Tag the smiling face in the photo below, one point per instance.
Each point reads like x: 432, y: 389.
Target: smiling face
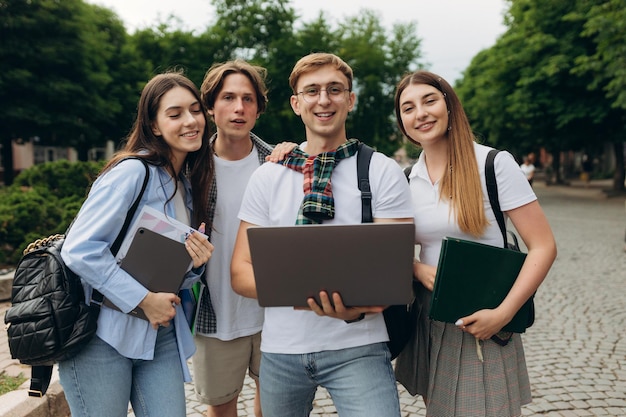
x: 236, y: 109
x: 180, y: 122
x: 424, y: 113
x: 324, y: 116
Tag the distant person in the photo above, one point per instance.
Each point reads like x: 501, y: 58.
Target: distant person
x: 443, y: 363
x: 340, y: 348
x: 228, y: 326
x: 528, y: 169
x: 131, y: 359
x: 587, y: 168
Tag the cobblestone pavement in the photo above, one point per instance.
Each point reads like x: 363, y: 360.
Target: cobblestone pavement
x: 576, y: 351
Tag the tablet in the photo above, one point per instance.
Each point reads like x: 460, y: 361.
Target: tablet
x: 157, y: 262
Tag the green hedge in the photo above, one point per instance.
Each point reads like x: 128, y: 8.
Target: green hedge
x: 42, y: 200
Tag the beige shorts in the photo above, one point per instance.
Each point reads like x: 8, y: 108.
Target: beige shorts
x: 219, y: 367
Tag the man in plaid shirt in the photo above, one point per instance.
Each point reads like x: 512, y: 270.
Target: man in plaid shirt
x: 227, y: 325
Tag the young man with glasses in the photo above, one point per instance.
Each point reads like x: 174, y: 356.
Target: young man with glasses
x: 340, y: 348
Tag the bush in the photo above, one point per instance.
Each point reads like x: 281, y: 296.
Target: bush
x: 61, y: 178
x: 42, y: 201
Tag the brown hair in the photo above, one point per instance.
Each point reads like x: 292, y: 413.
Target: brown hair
x: 317, y: 60
x: 142, y: 142
x: 461, y: 183
x: 215, y: 76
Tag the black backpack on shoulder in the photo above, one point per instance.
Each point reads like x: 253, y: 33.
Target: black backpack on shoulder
x: 400, y: 319
x: 48, y: 320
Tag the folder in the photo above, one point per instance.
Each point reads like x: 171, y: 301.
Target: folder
x: 157, y: 262
x: 472, y: 276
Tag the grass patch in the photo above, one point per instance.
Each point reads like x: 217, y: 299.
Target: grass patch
x: 9, y: 383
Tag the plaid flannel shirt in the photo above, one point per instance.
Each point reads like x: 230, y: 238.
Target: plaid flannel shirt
x: 318, y: 203
x: 206, y: 320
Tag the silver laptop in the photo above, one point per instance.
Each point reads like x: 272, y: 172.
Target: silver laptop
x: 369, y: 264
x: 157, y: 262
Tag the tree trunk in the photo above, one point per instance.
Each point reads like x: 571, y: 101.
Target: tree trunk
x: 7, y: 160
x: 618, y: 177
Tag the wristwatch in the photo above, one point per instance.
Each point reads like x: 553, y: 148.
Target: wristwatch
x: 361, y: 317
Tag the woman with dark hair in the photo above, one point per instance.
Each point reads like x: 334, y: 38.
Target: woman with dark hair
x: 443, y: 362
x: 131, y: 359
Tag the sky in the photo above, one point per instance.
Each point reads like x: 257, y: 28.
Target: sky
x: 452, y: 31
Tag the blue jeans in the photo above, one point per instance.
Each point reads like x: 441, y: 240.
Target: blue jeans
x: 360, y: 381
x: 99, y: 382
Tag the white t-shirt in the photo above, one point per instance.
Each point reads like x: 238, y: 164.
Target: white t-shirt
x: 182, y: 214
x: 237, y: 316
x: 527, y: 169
x: 433, y: 220
x: 273, y: 198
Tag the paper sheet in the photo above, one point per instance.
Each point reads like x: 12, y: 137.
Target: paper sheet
x: 156, y: 221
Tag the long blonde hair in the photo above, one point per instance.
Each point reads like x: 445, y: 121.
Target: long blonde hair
x: 461, y: 183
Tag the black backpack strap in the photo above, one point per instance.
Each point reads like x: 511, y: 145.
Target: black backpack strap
x: 492, y: 191
x: 96, y: 296
x: 131, y: 212
x: 363, y: 159
x: 40, y: 376
x: 407, y: 172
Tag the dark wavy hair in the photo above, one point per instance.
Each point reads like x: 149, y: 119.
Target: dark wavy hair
x: 142, y: 142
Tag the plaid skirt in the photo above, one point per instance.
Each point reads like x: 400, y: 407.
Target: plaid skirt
x: 412, y: 365
x: 447, y: 371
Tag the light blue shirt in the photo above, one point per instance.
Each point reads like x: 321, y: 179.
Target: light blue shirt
x: 86, y: 251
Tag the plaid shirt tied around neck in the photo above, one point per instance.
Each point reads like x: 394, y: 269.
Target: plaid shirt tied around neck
x: 318, y: 203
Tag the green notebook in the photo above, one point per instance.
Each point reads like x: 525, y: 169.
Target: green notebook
x: 472, y: 276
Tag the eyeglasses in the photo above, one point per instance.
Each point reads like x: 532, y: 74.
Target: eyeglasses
x: 334, y: 92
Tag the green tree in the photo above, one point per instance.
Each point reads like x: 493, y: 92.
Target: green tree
x: 378, y: 66
x: 70, y: 74
x: 605, y: 66
x: 110, y: 78
x: 315, y: 36
x: 33, y: 78
x: 262, y: 32
x: 168, y: 46
x: 55, y: 73
x: 525, y: 92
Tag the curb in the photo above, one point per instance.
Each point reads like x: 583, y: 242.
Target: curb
x: 17, y: 403
x: 6, y: 284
